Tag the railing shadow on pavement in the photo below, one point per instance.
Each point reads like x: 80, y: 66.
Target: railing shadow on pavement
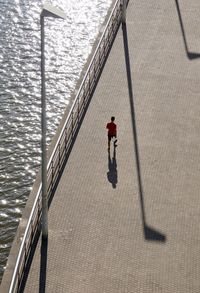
x: 190, y: 55
x: 112, y: 169
x: 149, y: 233
x: 30, y: 259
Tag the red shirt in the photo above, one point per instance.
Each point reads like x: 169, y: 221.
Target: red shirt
x: 112, y: 128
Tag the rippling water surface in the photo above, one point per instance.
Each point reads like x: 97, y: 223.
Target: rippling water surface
x: 68, y: 44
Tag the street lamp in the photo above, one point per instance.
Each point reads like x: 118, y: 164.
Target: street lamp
x: 123, y: 5
x: 47, y: 11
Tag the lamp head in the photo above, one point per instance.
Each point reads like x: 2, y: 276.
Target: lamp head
x: 51, y: 11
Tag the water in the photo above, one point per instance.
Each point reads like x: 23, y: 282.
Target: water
x: 68, y: 45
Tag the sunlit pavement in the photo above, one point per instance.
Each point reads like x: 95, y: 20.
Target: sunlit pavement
x: 129, y: 221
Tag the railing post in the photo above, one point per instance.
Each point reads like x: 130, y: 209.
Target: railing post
x: 104, y: 46
x: 78, y: 110
x: 59, y: 157
x: 95, y: 68
x: 72, y: 114
x: 123, y: 4
x: 99, y: 58
x: 112, y: 26
x: 84, y: 97
x: 89, y: 81
x: 66, y: 137
x: 39, y: 211
x: 52, y: 175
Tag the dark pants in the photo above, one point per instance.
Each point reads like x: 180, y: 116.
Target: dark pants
x: 110, y: 136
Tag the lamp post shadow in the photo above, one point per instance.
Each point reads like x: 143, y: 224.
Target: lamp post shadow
x: 112, y: 169
x: 149, y: 233
x: 43, y: 265
x: 190, y: 55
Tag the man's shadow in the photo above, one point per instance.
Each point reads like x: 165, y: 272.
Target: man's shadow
x: 112, y: 169
x: 150, y: 233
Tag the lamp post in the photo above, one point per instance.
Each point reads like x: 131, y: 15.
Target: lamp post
x: 123, y: 4
x: 47, y: 11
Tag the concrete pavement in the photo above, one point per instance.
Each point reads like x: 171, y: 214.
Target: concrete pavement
x: 129, y: 222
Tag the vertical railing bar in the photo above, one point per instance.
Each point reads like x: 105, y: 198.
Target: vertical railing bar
x: 104, y: 47
x: 52, y: 175
x: 65, y: 141
x: 89, y: 80
x: 32, y: 230
x: 38, y: 205
x: 78, y: 109
x: 95, y: 64
x: 99, y: 57
x: 72, y: 124
x: 59, y: 156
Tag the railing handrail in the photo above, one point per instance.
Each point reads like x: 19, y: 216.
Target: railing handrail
x: 24, y: 238
x: 70, y: 115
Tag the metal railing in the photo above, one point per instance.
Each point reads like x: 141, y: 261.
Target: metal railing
x: 65, y: 139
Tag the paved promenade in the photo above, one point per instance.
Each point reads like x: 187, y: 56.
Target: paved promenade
x: 129, y: 222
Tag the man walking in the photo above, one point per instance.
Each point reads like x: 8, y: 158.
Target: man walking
x: 112, y: 132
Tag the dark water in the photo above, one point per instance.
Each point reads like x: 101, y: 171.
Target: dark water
x: 68, y: 44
